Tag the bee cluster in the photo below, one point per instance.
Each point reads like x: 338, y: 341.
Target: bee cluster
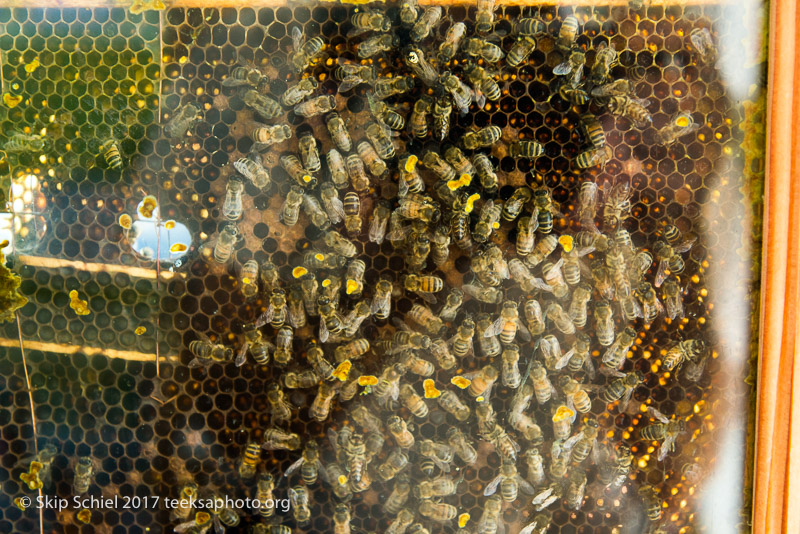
x: 450, y: 282
x: 504, y: 364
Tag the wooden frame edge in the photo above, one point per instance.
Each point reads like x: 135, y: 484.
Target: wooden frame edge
x: 777, y: 441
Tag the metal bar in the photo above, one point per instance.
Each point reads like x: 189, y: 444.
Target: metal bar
x: 58, y: 263
x: 66, y: 350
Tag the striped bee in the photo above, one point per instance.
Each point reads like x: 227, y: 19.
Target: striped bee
x: 113, y: 157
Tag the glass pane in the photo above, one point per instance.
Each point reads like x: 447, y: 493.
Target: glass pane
x: 530, y: 251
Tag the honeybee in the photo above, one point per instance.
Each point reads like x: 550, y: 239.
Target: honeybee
x: 305, y: 379
x: 573, y: 95
x: 490, y: 521
x: 424, y: 286
x: 622, y: 389
x: 205, y: 353
x: 488, y: 221
x: 572, y: 68
x: 397, y: 498
x: 382, y: 299
x: 542, y: 387
x: 300, y: 506
x: 680, y: 125
x: 567, y: 33
x: 525, y: 149
x: 652, y: 502
x: 481, y: 48
x: 380, y: 139
x: 449, y: 402
x: 352, y: 211
x: 703, y: 42
x: 620, y: 87
x: 483, y: 83
x: 520, y: 50
x: 418, y: 122
x: 651, y: 306
x: 264, y: 489
x: 576, y: 396
x: 265, y: 136
x: 304, y: 52
x: 83, y: 475
x: 529, y: 26
x: 253, y: 170
x: 510, y: 482
x: 534, y: 316
x: 309, y: 465
x: 438, y: 511
x: 368, y: 20
x: 578, y: 307
x: 316, y: 106
x: 482, y: 138
x: 617, y: 204
x: 575, y: 489
x: 226, y: 242
x: 232, y: 206
x: 262, y: 104
x: 276, y: 439
x: 243, y: 75
x: 669, y: 259
x: 375, y: 45
x: 604, y: 59
x: 296, y: 93
x: 351, y: 74
x: 615, y: 354
x: 497, y: 436
x: 422, y: 27
x: 458, y: 442
x: 488, y: 342
x: 461, y: 343
x: 280, y: 409
x: 692, y: 350
x: 251, y: 456
x: 394, y: 463
x: 673, y: 299
x: 411, y: 400
x: 112, y: 156
x: 439, y: 166
x: 489, y: 295
x: 341, y: 519
x: 338, y: 132
x: 409, y: 11
x: 630, y: 108
x: 452, y: 40
x: 386, y: 87
x: 422, y: 69
x: 535, y: 464
x: 307, y: 145
x: 176, y: 128
x: 337, y: 169
x: 461, y: 94
x: 560, y: 318
x: 299, y: 174
x: 200, y: 524
x: 442, y: 108
x: 483, y: 381
x: 315, y: 213
x: 440, y: 454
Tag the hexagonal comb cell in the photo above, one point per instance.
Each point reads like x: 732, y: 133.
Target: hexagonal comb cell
x: 272, y: 329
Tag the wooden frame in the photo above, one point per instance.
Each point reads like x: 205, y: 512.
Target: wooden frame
x: 777, y: 442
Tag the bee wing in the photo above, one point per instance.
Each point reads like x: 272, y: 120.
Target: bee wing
x: 487, y: 209
x: 203, y: 337
x: 523, y: 332
x: 293, y: 496
x: 562, y: 69
x: 525, y: 486
x: 669, y: 443
x: 661, y: 273
x: 355, y: 32
x: 542, y: 496
x: 378, y: 305
x: 350, y: 82
x: 626, y: 398
x: 333, y: 437
x: 297, y: 38
x: 541, y: 285
x: 427, y: 297
x: 323, y: 331
x: 652, y: 412
x: 480, y: 98
x: 377, y: 226
x: 567, y: 446
x: 196, y: 363
x: 336, y: 213
x: 441, y: 464
x: 294, y: 467
x: 587, y: 363
x: 183, y: 527
x: 241, y: 357
x: 492, y: 487
x: 495, y: 328
x: 218, y: 528
x: 565, y: 358
x: 685, y: 246
x: 402, y: 325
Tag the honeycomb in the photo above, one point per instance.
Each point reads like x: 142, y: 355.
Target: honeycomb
x: 151, y: 422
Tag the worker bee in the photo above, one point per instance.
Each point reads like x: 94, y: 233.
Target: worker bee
x: 452, y: 304
x: 488, y: 342
x: 515, y: 204
x: 262, y: 104
x: 567, y: 33
x: 669, y: 259
x: 578, y: 307
x: 253, y: 170
x: 449, y: 402
x: 243, y: 75
x: 703, y: 42
x: 488, y: 221
x: 622, y: 388
x: 437, y: 511
x: 673, y: 299
x: 251, y: 456
x: 576, y: 396
x: 442, y: 108
x: 689, y: 350
x: 315, y: 213
x: 386, y: 114
x: 205, y: 352
x: 572, y: 68
x: 619, y: 87
x: 575, y: 489
x: 489, y: 295
x: 338, y: 131
x: 300, y: 505
x: 425, y: 23
x: 83, y: 475
x: 542, y: 387
x: 452, y: 40
x: 315, y: 106
x: 304, y: 52
x: 226, y: 242
x: 510, y: 482
x: 483, y: 84
x: 368, y: 20
x: 525, y: 149
x: 409, y: 12
x: 276, y: 439
x: 320, y: 407
x: 232, y: 205
x: 511, y: 376
x: 651, y: 306
x: 460, y: 164
x: 279, y: 408
x: 490, y: 521
x: 176, y: 128
x: 440, y: 454
x: 397, y: 498
x: 296, y: 93
x: 617, y: 205
x: 604, y: 59
x: 680, y: 125
x: 439, y: 166
x: 520, y: 50
x: 265, y: 136
x: 372, y: 161
x: 375, y: 45
x: 458, y: 442
x: 461, y: 94
x: 307, y: 145
x: 341, y: 519
x: 399, y: 430
x: 535, y: 465
x: 663, y: 430
x: 412, y: 401
x: 351, y: 74
x: 533, y: 316
x: 506, y: 447
x: 309, y: 465
x: 112, y: 156
x: 386, y: 87
x: 295, y: 169
x: 352, y: 211
x: 509, y: 325
x: 461, y: 342
x: 483, y: 381
x: 382, y: 299
x: 394, y: 463
x: 480, y: 48
x: 418, y: 207
x: 338, y: 171
x: 652, y: 502
x: 529, y: 26
x: 630, y: 108
x: 381, y: 140
x: 482, y: 138
x: 418, y: 121
x: 615, y: 354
